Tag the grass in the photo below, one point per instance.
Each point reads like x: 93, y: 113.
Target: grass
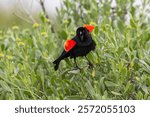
x: 121, y: 63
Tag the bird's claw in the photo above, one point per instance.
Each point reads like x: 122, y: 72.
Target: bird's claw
x: 90, y: 65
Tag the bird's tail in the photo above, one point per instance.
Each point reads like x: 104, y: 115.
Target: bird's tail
x: 56, y: 63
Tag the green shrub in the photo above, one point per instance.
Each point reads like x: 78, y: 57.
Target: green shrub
x: 121, y: 59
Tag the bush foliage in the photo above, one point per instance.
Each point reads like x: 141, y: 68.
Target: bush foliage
x: 121, y: 59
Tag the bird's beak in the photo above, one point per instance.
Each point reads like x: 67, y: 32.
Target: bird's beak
x: 82, y: 38
x: 90, y: 28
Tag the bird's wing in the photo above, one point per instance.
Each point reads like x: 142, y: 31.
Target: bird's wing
x: 69, y: 44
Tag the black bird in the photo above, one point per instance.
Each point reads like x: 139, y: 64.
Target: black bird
x: 80, y: 45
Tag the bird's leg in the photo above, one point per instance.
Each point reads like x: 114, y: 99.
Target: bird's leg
x: 90, y: 64
x: 76, y: 65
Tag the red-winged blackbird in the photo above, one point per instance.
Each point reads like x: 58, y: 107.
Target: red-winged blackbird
x: 80, y: 45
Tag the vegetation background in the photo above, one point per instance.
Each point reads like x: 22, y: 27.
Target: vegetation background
x: 121, y: 59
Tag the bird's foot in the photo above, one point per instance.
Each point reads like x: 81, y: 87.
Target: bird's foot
x: 90, y: 65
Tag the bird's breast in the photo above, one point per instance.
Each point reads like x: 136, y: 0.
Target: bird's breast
x: 82, y: 50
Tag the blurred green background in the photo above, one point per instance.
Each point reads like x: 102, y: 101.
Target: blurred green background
x: 19, y: 12
x: 31, y: 38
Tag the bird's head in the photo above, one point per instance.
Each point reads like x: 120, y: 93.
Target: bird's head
x: 84, y: 32
x: 81, y: 33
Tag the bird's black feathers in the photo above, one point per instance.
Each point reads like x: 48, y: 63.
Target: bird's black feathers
x: 84, y: 44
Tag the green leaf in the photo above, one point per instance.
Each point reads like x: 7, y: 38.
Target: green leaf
x: 90, y: 89
x: 63, y: 34
x: 42, y: 17
x: 74, y: 97
x: 2, y: 47
x: 75, y: 71
x: 145, y: 66
x: 116, y: 93
x: 133, y: 24
x: 144, y: 88
x: 110, y: 84
x: 96, y: 30
x: 5, y: 86
x: 139, y: 95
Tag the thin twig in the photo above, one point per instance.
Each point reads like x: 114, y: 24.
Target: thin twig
x: 46, y: 15
x: 25, y: 20
x: 43, y: 8
x: 28, y: 14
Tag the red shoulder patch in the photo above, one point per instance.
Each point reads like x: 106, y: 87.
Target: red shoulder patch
x: 90, y: 28
x: 69, y: 44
